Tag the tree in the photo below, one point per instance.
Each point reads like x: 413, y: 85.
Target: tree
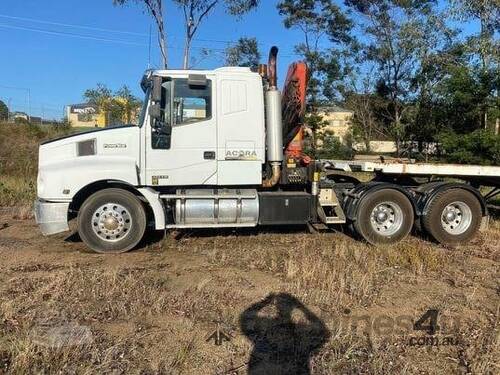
x: 320, y: 21
x: 401, y: 35
x: 365, y: 104
x: 4, y: 111
x: 487, y: 13
x: 156, y: 10
x: 244, y: 53
x: 102, y: 98
x: 484, y: 46
x: 127, y: 103
x: 478, y: 147
x: 196, y: 11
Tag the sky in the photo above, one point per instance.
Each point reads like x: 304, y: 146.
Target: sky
x: 53, y: 50
x: 57, y: 62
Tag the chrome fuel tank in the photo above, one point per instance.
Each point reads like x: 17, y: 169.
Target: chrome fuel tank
x: 217, y: 207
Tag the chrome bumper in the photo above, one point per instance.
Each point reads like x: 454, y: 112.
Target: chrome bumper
x: 51, y: 217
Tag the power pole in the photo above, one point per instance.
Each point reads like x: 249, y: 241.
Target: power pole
x: 8, y: 109
x: 29, y: 105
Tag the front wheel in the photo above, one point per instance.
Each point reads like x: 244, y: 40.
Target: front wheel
x: 112, y: 221
x: 383, y: 217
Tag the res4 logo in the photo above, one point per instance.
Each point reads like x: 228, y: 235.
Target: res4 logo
x: 428, y: 322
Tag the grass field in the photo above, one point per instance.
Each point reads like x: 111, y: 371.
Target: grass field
x: 288, y: 301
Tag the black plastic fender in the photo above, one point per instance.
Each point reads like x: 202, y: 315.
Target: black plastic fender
x: 427, y: 192
x: 356, y: 195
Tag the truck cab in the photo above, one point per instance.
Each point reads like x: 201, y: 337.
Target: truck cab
x: 208, y: 129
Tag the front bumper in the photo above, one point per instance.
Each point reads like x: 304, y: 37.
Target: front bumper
x: 51, y: 217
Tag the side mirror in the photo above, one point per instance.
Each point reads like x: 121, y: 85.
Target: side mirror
x: 155, y: 111
x: 156, y: 90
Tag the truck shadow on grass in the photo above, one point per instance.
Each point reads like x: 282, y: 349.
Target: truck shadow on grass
x: 240, y: 232
x: 284, y: 340
x: 155, y: 237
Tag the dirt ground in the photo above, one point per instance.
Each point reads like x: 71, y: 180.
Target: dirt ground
x: 277, y: 301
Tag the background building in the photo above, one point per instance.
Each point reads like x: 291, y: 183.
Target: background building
x: 84, y: 115
x: 339, y: 122
x: 119, y: 111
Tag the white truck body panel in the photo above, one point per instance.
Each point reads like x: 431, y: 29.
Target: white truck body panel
x: 183, y: 163
x: 62, y: 173
x: 241, y: 129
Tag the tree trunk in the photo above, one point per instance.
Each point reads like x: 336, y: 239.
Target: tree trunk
x: 163, y: 49
x: 187, y: 50
x: 367, y: 145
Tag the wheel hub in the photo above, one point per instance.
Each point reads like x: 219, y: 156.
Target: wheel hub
x: 111, y: 222
x: 382, y: 217
x: 456, y: 218
x: 450, y: 216
x: 386, y: 218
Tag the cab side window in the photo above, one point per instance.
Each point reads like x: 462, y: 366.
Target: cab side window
x: 162, y: 126
x: 181, y: 104
x: 191, y: 103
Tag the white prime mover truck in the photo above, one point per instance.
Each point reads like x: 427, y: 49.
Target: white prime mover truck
x: 217, y: 149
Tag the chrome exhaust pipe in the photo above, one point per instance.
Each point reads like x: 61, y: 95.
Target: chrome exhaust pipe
x: 274, y: 121
x: 272, y: 68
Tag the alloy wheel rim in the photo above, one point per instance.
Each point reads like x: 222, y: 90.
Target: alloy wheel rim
x: 111, y: 222
x: 386, y: 218
x: 456, y: 218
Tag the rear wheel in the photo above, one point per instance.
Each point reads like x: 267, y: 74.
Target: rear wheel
x: 384, y: 217
x: 112, y: 221
x: 453, y: 217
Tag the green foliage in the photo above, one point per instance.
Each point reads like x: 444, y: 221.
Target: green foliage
x: 323, y: 144
x: 196, y: 11
x: 316, y: 17
x: 321, y: 22
x: 332, y: 148
x: 402, y: 39
x: 126, y: 104
x: 118, y: 107
x: 4, y: 111
x: 233, y: 7
x: 21, y: 121
x: 244, y: 53
x: 478, y: 147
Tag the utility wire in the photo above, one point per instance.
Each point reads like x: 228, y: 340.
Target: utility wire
x: 74, y: 35
x: 72, y: 25
x: 94, y: 28
x: 105, y: 29
x: 100, y: 39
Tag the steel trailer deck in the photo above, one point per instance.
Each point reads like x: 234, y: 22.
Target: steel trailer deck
x: 481, y: 175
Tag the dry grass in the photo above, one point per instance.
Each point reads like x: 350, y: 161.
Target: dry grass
x: 151, y: 311
x: 19, y: 161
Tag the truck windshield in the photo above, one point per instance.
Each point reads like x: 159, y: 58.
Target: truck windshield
x: 144, y: 108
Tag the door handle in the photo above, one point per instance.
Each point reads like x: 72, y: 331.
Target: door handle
x: 209, y: 155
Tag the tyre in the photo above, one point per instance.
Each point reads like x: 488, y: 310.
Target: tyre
x: 453, y: 217
x: 111, y: 221
x: 384, y: 217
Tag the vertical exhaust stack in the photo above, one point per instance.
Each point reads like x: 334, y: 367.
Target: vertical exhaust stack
x: 274, y: 122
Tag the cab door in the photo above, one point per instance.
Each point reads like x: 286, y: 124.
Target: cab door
x: 181, y: 145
